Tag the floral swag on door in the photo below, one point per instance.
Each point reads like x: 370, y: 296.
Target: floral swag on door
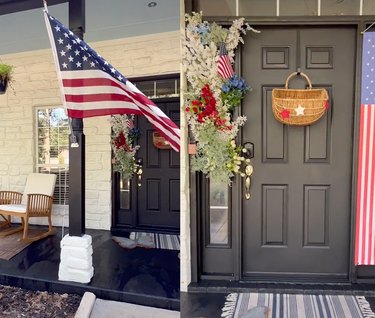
x: 124, y: 135
x: 213, y: 92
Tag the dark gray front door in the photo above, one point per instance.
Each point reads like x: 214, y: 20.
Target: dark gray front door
x: 153, y: 201
x: 159, y: 193
x: 297, y: 222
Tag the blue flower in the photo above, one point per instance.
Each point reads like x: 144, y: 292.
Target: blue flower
x: 226, y: 88
x: 134, y: 133
x: 202, y: 29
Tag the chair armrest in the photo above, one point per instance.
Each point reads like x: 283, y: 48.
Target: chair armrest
x: 39, y: 204
x: 10, y: 197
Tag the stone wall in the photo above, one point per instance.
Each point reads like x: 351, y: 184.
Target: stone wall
x: 35, y: 85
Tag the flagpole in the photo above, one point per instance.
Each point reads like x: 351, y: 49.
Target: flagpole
x: 45, y: 5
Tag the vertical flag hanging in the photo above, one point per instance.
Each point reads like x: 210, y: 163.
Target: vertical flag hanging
x: 224, y: 66
x: 365, y: 214
x: 91, y: 86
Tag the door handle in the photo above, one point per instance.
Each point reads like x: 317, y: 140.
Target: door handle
x: 248, y: 172
x: 139, y: 172
x: 248, y: 153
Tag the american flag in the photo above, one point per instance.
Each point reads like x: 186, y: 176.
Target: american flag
x: 93, y: 87
x: 224, y: 66
x: 365, y: 214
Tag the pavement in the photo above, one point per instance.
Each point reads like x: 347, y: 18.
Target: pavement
x: 92, y: 307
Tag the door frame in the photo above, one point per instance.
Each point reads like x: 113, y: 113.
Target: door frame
x: 117, y: 229
x: 355, y: 274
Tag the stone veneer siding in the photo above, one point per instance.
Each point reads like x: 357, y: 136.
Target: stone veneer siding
x: 35, y: 85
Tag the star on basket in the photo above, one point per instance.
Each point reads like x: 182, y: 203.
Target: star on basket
x: 300, y: 111
x: 326, y: 105
x: 285, y: 113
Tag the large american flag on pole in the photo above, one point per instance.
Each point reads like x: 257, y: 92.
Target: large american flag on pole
x: 93, y: 87
x: 365, y: 214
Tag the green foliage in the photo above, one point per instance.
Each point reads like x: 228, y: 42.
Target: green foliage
x: 5, y: 72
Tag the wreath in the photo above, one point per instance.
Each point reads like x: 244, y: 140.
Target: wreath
x: 213, y: 92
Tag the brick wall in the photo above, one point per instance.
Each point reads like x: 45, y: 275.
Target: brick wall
x: 35, y: 85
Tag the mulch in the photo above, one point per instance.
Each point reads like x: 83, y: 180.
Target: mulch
x: 21, y: 303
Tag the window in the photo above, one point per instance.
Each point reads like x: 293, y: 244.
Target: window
x: 53, y: 148
x: 159, y: 88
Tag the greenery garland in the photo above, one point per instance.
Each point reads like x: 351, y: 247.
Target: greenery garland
x: 210, y: 99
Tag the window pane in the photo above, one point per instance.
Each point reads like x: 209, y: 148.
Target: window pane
x: 53, y: 149
x: 298, y: 7
x: 124, y: 193
x: 165, y: 88
x: 219, y: 213
x: 147, y: 88
x: 217, y: 7
x: 368, y: 7
x: 340, y: 7
x: 257, y: 7
x: 61, y: 192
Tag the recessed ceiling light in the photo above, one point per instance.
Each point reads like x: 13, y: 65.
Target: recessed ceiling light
x: 152, y: 4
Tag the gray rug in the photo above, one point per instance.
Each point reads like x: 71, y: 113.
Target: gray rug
x: 163, y: 241
x: 267, y: 305
x: 149, y: 240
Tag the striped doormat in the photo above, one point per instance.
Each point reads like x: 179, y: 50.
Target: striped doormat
x: 162, y: 241
x: 267, y: 305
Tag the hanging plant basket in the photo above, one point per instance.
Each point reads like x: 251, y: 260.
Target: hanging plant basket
x: 6, y: 72
x: 3, y: 86
x: 299, y: 107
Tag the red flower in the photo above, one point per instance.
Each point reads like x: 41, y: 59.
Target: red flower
x: 327, y: 105
x: 187, y: 109
x: 200, y: 118
x: 120, y: 142
x: 220, y: 122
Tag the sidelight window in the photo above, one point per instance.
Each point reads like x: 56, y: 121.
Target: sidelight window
x: 219, y: 213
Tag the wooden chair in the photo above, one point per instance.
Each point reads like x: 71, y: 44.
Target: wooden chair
x: 36, y: 202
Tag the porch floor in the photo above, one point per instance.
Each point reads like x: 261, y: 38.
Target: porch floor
x: 149, y: 277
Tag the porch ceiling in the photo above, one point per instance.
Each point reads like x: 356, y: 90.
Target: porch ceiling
x: 11, y: 6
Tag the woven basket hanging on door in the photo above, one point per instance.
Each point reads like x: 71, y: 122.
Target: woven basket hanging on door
x: 299, y: 107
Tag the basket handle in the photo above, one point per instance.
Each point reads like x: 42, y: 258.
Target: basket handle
x: 295, y: 74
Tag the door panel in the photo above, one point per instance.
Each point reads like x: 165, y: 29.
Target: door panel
x: 297, y: 221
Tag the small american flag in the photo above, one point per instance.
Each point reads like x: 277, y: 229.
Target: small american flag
x: 365, y: 214
x: 93, y: 87
x: 224, y: 66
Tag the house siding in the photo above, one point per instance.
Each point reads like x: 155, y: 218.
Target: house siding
x: 36, y: 85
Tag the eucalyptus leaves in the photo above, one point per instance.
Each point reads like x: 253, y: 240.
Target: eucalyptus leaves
x: 210, y: 99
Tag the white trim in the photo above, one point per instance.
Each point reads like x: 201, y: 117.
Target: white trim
x: 319, y: 7
x: 237, y: 8
x: 277, y: 8
x: 361, y: 7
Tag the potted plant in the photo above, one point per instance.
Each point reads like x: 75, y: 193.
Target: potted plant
x: 6, y: 71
